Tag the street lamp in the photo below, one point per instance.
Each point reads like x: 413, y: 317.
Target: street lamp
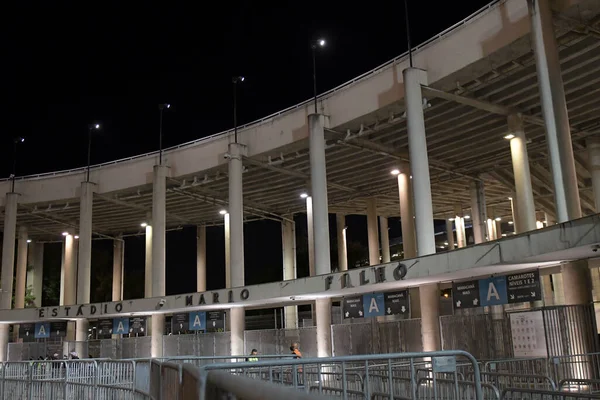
x: 235, y: 81
x: 315, y: 44
x: 16, y: 142
x: 92, y: 127
x: 161, y: 107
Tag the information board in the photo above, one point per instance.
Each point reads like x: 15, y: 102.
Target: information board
x: 397, y: 303
x: 524, y: 287
x: 353, y: 307
x: 528, y: 334
x: 465, y: 294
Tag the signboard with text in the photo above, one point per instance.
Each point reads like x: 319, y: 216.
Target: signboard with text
x: 197, y: 321
x: 120, y: 326
x: 215, y: 321
x: 465, y: 294
x: 373, y: 305
x: 58, y: 329
x: 137, y: 326
x: 524, y: 287
x: 353, y: 307
x: 528, y: 334
x: 179, y: 323
x: 397, y: 303
x: 104, y: 328
x: 492, y: 291
x: 42, y: 330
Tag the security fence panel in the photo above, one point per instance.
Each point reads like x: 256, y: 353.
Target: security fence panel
x: 268, y: 341
x: 135, y: 347
x: 570, y: 330
x: 400, y: 336
x: 222, y: 343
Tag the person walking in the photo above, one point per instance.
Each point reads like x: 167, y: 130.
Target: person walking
x: 253, y: 355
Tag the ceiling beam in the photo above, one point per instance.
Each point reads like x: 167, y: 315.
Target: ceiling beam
x: 138, y: 207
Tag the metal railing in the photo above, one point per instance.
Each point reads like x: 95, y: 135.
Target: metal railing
x: 532, y: 394
x: 326, y: 94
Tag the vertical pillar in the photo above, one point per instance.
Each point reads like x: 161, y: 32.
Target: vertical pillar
x: 512, y: 200
x: 419, y: 161
x: 288, y: 233
x: 81, y: 336
x: 577, y: 282
x: 372, y: 233
x: 4, y: 331
x: 554, y: 110
x: 407, y: 219
x: 450, y: 233
x: 36, y: 274
x: 20, y: 280
x: 236, y: 214
x: 148, y: 274
x: 156, y: 339
x: 70, y: 274
x: 238, y: 324
x: 549, y: 219
x: 318, y: 180
x: 84, y: 269
x: 201, y: 258
x: 118, y: 264
x: 459, y: 222
x: 227, y: 228
x: 62, y: 275
x: 559, y: 292
x: 159, y: 201
x: 311, y: 236
x: 341, y: 242
x: 520, y: 162
x: 429, y: 296
x: 478, y: 211
x: 323, y: 311
x: 593, y: 148
x: 8, y: 256
x: 385, y: 239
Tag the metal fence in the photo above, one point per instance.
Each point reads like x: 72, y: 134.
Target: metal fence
x: 207, y: 344
x: 277, y: 341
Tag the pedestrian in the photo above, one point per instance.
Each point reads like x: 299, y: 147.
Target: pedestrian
x: 74, y: 355
x: 295, y: 351
x: 253, y: 355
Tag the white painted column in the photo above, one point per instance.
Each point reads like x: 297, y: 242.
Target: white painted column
x: 21, y: 275
x: 459, y: 223
x: 320, y: 207
x: 419, y: 160
x: 520, y: 162
x: 118, y: 267
x: 478, y: 211
x: 311, y: 236
x: 577, y: 285
x: 554, y: 110
x: 372, y: 233
x: 201, y: 258
x: 323, y: 311
x: 62, y: 275
x: 4, y: 333
x: 35, y: 277
x: 156, y: 339
x: 148, y: 274
x: 8, y: 258
x: 70, y: 278
x: 512, y: 200
x: 81, y: 336
x: 450, y: 233
x: 342, y: 243
x: 429, y: 296
x: 288, y: 235
x: 159, y: 222
x: 593, y: 148
x: 84, y: 268
x: 227, y: 228
x: 407, y: 220
x: 238, y: 324
x: 385, y: 239
x: 236, y: 214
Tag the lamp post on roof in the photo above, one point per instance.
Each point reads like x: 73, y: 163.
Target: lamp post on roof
x: 235, y: 80
x: 316, y: 44
x: 161, y: 107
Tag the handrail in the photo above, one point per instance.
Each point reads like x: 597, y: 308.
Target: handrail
x: 257, y: 122
x: 543, y: 393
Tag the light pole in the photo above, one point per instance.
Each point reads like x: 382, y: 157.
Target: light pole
x: 235, y: 81
x: 315, y: 44
x: 92, y: 127
x: 161, y: 107
x: 16, y: 142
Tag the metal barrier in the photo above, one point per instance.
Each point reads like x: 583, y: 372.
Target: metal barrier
x: 430, y: 388
x: 591, y: 386
x: 532, y: 394
x: 505, y: 381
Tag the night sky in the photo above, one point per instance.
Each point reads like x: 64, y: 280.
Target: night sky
x: 67, y: 64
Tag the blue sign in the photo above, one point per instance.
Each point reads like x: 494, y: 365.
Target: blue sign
x: 42, y: 330
x: 374, y: 305
x: 197, y: 321
x: 120, y: 326
x: 492, y: 291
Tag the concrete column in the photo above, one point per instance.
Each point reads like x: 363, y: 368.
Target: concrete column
x: 559, y: 292
x: 148, y: 276
x: 159, y: 223
x: 577, y: 284
x: 236, y: 214
x: 513, y: 210
x: 35, y: 276
x: 385, y: 239
x: 70, y: 279
x: 21, y: 278
x: 372, y: 232
x: 407, y: 220
x: 429, y: 296
x: 158, y: 330
x: 593, y: 148
x: 311, y: 236
x: 459, y: 223
x: 419, y: 161
x: 4, y: 331
x: 450, y: 233
x: 227, y: 228
x: 8, y: 258
x: 118, y: 266
x: 288, y: 233
x: 237, y: 327
x: 318, y: 181
x: 520, y: 162
x: 478, y: 211
x: 201, y: 258
x: 81, y: 336
x: 342, y: 243
x: 549, y: 219
x: 323, y: 311
x: 84, y: 269
x: 62, y: 275
x: 554, y: 110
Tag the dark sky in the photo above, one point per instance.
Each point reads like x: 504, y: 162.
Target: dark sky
x: 67, y: 64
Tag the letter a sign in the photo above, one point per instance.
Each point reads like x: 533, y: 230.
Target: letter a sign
x: 197, y: 321
x: 492, y: 291
x: 373, y: 305
x: 120, y: 326
x: 42, y: 330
